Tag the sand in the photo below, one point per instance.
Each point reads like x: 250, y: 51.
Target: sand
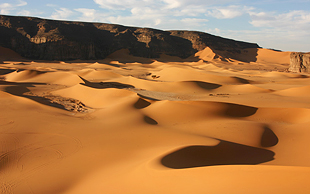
x: 206, y: 124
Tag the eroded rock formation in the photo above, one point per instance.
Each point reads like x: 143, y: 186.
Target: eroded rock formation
x: 300, y: 62
x: 37, y: 38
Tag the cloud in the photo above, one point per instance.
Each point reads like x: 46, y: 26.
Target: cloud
x: 192, y: 10
x: 62, y: 14
x: 163, y: 14
x: 270, y: 38
x: 229, y: 12
x: 121, y: 4
x: 194, y: 21
x: 157, y: 4
x: 6, y: 8
x: 21, y: 3
x: 287, y: 28
x: 286, y: 31
x: 24, y: 13
x: 171, y: 4
x: 87, y: 14
x: 91, y: 15
x: 297, y: 19
x: 51, y: 5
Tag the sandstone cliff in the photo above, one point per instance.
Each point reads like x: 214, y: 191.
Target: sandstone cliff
x: 300, y: 62
x: 36, y: 38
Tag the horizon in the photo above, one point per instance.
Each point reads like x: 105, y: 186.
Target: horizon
x: 271, y: 24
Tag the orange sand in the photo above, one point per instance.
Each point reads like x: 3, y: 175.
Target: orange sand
x: 207, y: 124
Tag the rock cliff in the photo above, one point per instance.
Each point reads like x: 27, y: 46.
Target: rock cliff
x: 300, y: 62
x: 36, y: 38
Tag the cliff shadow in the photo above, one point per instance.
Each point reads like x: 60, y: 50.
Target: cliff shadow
x: 225, y: 153
x: 246, y: 55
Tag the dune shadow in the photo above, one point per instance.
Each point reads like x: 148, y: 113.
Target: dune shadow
x: 241, y: 80
x: 149, y: 120
x: 24, y: 84
x: 206, y: 85
x: 6, y: 71
x: 269, y: 138
x: 141, y: 103
x: 238, y: 110
x: 21, y: 90
x: 114, y: 65
x: 104, y: 85
x: 20, y: 63
x: 147, y: 97
x: 225, y: 153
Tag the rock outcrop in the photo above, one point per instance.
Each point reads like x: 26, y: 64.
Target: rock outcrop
x: 300, y: 62
x: 36, y: 38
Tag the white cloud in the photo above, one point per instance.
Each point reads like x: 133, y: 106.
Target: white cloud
x: 21, y: 3
x: 6, y: 8
x: 51, y: 5
x: 120, y: 4
x: 275, y: 38
x: 297, y: 20
x: 91, y: 15
x: 287, y: 31
x: 194, y: 21
x: 24, y: 13
x: 62, y: 14
x: 157, y: 22
x: 171, y: 4
x: 288, y: 28
x: 157, y: 4
x: 192, y: 10
x: 87, y: 14
x: 164, y: 14
x: 229, y: 12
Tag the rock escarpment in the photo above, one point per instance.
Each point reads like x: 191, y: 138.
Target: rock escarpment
x: 300, y: 62
x: 36, y: 38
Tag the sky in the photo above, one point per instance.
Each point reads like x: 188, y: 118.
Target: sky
x: 276, y: 24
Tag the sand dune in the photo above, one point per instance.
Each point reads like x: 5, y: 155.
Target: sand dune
x: 268, y: 56
x: 207, y: 54
x: 207, y: 124
x: 9, y: 55
x: 296, y: 91
x: 63, y: 78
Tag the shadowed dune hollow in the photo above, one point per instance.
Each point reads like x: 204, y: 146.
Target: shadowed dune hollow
x: 225, y: 153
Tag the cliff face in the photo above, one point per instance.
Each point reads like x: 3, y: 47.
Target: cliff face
x: 36, y: 38
x: 300, y: 62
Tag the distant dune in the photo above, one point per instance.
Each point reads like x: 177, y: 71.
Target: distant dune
x: 209, y: 120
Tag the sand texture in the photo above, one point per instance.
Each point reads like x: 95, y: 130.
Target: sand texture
x: 210, y: 123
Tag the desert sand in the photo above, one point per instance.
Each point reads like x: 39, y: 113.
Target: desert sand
x: 130, y: 125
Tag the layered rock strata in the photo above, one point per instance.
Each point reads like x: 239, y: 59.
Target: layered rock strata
x: 300, y: 62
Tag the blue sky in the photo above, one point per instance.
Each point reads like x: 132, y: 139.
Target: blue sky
x: 277, y: 24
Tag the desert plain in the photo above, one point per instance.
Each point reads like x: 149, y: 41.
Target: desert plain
x: 131, y: 125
